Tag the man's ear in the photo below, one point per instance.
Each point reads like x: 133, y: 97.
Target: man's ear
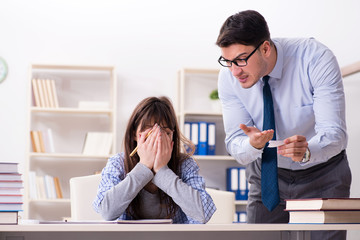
x: 266, y: 48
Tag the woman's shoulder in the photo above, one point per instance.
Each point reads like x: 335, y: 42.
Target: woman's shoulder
x: 188, y: 162
x: 115, y: 166
x: 117, y: 160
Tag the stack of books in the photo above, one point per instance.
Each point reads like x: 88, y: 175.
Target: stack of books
x: 11, y: 185
x: 324, y: 210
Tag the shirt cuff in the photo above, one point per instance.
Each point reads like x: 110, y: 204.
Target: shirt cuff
x: 244, y: 152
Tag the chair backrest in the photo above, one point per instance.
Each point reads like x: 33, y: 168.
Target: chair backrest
x: 82, y: 193
x: 225, y: 204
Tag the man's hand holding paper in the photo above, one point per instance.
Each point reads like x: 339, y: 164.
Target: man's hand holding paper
x: 294, y: 147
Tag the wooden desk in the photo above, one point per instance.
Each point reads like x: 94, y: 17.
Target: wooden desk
x: 165, y: 231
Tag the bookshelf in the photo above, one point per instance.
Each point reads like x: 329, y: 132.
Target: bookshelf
x: 86, y: 102
x: 193, y: 104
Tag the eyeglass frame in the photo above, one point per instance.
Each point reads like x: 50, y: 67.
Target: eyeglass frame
x: 242, y: 59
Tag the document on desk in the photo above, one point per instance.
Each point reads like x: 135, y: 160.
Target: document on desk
x: 141, y: 221
x: 275, y: 143
x: 146, y: 221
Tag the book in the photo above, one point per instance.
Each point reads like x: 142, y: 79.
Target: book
x: 323, y: 204
x: 10, y: 176
x: 49, y: 187
x: 97, y: 143
x: 187, y: 134
x: 8, y: 167
x: 318, y: 216
x: 10, y: 184
x: 146, y: 221
x: 211, y: 139
x: 48, y: 141
x: 32, y: 185
x: 10, y: 190
x: 203, y: 138
x: 240, y: 217
x: 41, y: 92
x: 195, y: 136
x: 58, y: 188
x: 140, y: 221
x: 236, y: 182
x: 35, y: 141
x: 49, y: 93
x: 54, y: 93
x: 40, y: 187
x: 10, y: 207
x: 36, y: 93
x: 41, y: 141
x: 8, y: 217
x: 13, y: 198
x: 45, y: 92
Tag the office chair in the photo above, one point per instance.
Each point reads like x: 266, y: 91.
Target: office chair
x: 82, y: 193
x: 225, y: 204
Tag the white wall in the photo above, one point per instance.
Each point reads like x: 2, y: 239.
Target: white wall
x: 148, y: 41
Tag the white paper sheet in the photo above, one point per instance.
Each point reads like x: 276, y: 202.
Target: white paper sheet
x: 275, y: 143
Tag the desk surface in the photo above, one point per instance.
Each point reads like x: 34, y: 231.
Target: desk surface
x: 173, y: 227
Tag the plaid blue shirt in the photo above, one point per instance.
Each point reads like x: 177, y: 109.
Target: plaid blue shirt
x: 114, y: 173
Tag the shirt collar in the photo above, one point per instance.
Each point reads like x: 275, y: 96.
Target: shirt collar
x: 277, y: 70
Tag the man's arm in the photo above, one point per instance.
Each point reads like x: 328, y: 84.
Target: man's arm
x: 234, y: 114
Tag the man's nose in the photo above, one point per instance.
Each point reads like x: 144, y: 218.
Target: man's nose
x: 235, y: 70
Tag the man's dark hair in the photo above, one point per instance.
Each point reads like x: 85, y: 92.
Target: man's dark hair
x: 246, y: 28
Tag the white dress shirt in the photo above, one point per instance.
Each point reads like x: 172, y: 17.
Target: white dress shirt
x: 308, y: 98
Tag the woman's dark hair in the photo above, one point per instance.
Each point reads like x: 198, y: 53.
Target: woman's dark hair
x: 149, y: 111
x: 246, y: 28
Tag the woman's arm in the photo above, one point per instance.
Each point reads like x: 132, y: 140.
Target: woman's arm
x: 116, y: 191
x: 188, y: 192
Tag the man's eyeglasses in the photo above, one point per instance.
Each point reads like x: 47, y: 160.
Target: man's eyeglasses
x: 240, y: 62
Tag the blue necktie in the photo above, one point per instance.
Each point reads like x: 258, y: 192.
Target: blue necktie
x: 269, y: 176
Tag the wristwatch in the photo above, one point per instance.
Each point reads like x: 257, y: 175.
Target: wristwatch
x: 306, y: 157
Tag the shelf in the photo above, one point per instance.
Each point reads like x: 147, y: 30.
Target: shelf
x: 207, y: 114
x: 240, y: 202
x: 199, y: 71
x: 71, y: 110
x: 66, y: 102
x: 214, y: 157
x: 49, y: 201
x: 72, y: 67
x: 67, y: 155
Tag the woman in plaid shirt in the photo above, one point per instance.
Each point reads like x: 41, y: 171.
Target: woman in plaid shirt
x: 159, y: 181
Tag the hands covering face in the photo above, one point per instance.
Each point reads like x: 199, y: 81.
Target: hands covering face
x: 155, y: 150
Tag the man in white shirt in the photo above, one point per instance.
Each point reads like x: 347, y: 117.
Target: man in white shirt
x: 308, y: 112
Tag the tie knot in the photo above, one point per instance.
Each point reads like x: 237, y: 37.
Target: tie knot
x: 266, y: 79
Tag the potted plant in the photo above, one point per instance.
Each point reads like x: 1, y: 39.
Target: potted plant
x: 214, y: 97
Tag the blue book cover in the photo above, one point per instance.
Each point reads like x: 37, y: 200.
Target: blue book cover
x: 243, y: 193
x: 211, y: 139
x: 187, y: 134
x: 236, y: 182
x: 195, y: 136
x: 203, y: 138
x: 232, y: 179
x: 241, y: 216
